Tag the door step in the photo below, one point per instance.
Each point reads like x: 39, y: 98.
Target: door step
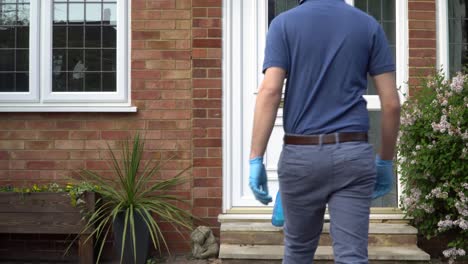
x: 324, y: 254
x: 257, y: 242
x: 256, y: 233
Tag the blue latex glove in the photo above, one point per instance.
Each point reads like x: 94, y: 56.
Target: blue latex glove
x: 384, y: 181
x: 258, y: 180
x: 277, y: 219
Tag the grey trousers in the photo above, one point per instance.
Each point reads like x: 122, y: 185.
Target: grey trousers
x: 311, y: 176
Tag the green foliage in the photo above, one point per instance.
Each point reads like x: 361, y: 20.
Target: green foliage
x: 432, y: 161
x: 75, y: 191
x: 133, y: 191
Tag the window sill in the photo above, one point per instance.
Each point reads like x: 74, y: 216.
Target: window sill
x: 69, y: 109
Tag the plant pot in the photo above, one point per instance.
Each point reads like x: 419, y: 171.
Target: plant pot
x: 141, y: 237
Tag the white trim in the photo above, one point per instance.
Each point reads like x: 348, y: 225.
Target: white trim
x: 402, y: 62
x: 41, y: 70
x: 67, y: 108
x: 442, y: 36
x: 242, y: 51
x: 34, y: 70
x: 227, y: 105
x: 48, y: 96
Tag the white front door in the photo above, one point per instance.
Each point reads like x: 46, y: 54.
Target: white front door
x: 245, y: 26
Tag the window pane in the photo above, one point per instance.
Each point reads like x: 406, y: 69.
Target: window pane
x: 458, y: 35
x: 384, y: 12
x: 275, y: 7
x: 85, y: 41
x: 14, y: 46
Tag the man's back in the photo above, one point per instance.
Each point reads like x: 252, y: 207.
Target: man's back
x: 327, y: 48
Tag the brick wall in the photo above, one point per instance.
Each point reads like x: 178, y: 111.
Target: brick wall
x: 207, y: 116
x: 422, y: 39
x: 46, y: 147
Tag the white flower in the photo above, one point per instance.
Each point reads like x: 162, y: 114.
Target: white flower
x: 457, y: 83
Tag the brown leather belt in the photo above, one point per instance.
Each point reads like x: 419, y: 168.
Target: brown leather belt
x: 326, y: 138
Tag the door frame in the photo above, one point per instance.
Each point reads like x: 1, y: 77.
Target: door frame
x: 242, y: 14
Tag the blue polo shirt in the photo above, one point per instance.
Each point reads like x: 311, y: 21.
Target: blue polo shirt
x: 327, y: 48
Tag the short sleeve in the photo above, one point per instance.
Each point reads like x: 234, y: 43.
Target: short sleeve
x: 381, y: 57
x: 276, y: 51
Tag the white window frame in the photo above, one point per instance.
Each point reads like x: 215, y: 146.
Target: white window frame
x: 41, y: 98
x: 442, y: 37
x: 34, y: 36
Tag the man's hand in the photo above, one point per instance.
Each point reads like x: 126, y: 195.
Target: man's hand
x: 258, y: 180
x: 384, y: 181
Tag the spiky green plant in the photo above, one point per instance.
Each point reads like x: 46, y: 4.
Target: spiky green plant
x: 133, y: 192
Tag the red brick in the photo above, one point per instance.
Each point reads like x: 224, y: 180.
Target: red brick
x: 200, y: 113
x: 207, y: 3
x: 207, y: 182
x: 4, y: 155
x: 215, y: 12
x: 98, y: 125
x: 199, y: 12
x: 212, y: 103
x: 69, y: 144
x: 176, y: 34
x: 215, y: 132
x: 207, y: 142
x: 69, y: 124
x: 40, y: 124
x: 207, y: 202
x: 115, y: 135
x: 207, y: 122
x: 84, y: 155
x: 207, y: 63
x: 18, y: 134
x: 422, y: 34
x: 175, y: 14
x: 422, y: 24
x: 422, y: 43
x: 11, y: 144
x: 422, y: 62
x: 39, y: 155
x: 160, y: 4
x: 97, y: 165
x: 145, y: 35
x: 418, y: 15
x: 428, y: 6
x: 160, y: 24
x: 40, y: 165
x: 207, y: 83
x: 207, y: 162
x: 199, y: 132
x: 11, y: 124
x: 39, y: 145
x: 199, y: 73
x: 84, y: 134
x: 207, y: 43
x: 207, y: 23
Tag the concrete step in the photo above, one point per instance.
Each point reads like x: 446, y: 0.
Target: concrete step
x: 263, y: 233
x: 233, y: 254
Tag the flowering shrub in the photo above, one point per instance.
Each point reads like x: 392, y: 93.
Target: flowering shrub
x: 432, y: 160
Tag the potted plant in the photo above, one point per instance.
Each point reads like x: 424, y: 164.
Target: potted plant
x: 433, y: 153
x: 129, y: 202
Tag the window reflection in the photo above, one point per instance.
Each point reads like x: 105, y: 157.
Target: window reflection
x: 458, y: 35
x: 14, y: 45
x: 84, y: 42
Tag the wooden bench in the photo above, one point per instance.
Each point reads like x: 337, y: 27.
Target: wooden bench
x: 47, y: 213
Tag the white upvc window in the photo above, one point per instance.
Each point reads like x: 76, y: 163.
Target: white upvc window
x: 64, y: 56
x: 452, y: 35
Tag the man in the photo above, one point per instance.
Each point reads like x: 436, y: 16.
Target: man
x: 325, y: 48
